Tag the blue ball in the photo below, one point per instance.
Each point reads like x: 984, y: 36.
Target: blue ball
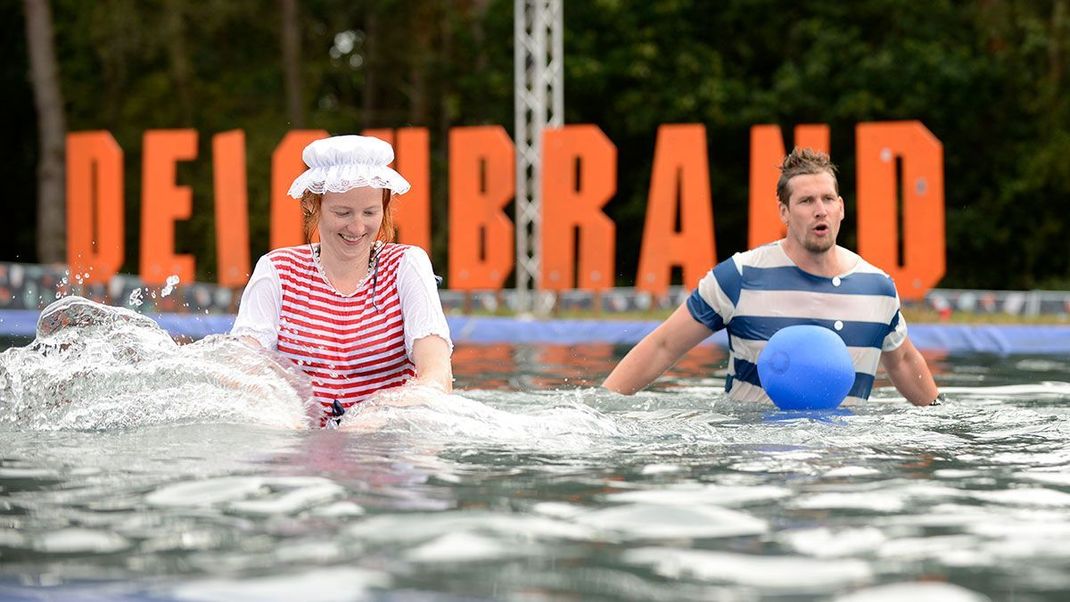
x: 806, y: 367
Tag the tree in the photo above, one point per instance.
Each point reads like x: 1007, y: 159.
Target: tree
x: 988, y: 78
x: 52, y: 129
x: 291, y: 62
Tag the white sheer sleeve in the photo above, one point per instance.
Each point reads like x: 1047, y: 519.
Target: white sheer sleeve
x: 421, y: 308
x: 261, y: 301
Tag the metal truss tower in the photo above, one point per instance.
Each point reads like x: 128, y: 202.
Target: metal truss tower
x: 539, y: 102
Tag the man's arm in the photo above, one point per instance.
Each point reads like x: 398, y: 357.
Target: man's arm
x: 656, y: 352
x: 910, y: 374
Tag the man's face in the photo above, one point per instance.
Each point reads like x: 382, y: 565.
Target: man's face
x: 813, y: 213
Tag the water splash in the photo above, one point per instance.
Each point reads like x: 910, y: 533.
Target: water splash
x: 555, y: 420
x: 427, y: 411
x: 136, y: 299
x: 169, y: 286
x: 92, y: 366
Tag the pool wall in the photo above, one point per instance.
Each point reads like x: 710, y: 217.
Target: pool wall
x: 949, y: 338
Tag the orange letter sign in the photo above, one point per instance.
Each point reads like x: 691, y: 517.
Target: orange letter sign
x: 572, y: 201
x: 679, y: 190
x: 882, y: 148
x: 94, y: 229
x: 287, y: 223
x: 766, y: 155
x: 412, y: 212
x: 231, y: 208
x: 482, y: 182
x: 163, y: 203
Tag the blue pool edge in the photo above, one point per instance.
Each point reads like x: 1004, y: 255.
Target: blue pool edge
x: 1000, y: 339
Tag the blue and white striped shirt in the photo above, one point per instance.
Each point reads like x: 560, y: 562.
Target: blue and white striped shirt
x: 756, y: 293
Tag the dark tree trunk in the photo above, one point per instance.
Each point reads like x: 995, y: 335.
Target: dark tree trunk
x: 291, y: 62
x: 1057, y: 52
x: 52, y: 129
x: 181, y: 68
x: 421, y: 53
x: 371, y: 65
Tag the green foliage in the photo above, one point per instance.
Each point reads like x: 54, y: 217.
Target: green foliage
x: 989, y: 80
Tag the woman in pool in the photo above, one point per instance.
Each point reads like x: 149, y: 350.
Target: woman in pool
x: 358, y: 313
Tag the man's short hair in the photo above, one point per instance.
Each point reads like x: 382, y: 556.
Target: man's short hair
x: 802, y: 162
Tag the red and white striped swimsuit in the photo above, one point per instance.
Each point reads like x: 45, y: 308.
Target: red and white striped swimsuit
x: 350, y: 346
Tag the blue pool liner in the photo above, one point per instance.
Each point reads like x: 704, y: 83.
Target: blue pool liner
x: 950, y: 338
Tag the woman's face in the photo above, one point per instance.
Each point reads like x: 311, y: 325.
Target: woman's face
x: 349, y: 222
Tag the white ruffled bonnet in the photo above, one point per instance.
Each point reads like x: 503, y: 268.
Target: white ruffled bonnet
x: 341, y: 163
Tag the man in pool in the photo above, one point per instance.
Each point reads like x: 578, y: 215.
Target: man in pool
x: 805, y: 278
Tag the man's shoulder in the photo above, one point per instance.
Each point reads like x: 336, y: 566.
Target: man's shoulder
x: 858, y: 264
x: 770, y: 255
x: 874, y: 277
x: 730, y: 270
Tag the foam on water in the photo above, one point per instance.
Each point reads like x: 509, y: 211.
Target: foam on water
x: 323, y: 585
x: 789, y: 574
x: 93, y: 366
x: 915, y: 592
x: 421, y: 411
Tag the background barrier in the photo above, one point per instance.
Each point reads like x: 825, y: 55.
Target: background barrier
x: 196, y: 310
x: 34, y: 286
x: 947, y: 338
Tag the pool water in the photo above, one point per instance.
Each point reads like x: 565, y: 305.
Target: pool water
x: 529, y: 483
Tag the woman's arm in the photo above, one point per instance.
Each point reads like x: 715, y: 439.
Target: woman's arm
x: 257, y: 322
x: 431, y: 355
x: 427, y: 335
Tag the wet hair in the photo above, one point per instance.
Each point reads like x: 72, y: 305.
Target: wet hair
x: 803, y: 162
x: 312, y: 203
